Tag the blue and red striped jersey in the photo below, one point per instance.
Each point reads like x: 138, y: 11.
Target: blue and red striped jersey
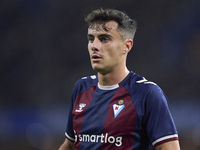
x: 131, y: 115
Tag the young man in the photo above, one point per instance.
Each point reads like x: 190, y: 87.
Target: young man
x: 116, y: 109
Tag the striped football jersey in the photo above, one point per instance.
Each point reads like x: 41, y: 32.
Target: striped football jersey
x: 131, y: 115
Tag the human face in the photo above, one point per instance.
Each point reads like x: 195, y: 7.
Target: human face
x: 106, y: 48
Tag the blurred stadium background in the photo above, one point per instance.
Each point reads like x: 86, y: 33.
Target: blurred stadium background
x: 43, y: 51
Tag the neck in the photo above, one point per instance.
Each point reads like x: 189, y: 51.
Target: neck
x: 113, y: 78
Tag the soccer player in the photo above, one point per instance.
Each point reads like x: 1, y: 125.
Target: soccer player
x: 116, y: 109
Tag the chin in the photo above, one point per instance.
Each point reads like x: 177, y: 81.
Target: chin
x: 97, y: 69
x: 100, y: 70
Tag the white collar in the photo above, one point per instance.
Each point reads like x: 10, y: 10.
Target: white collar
x: 112, y: 87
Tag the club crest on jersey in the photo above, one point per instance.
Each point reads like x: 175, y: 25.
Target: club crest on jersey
x: 81, y: 105
x: 117, y: 108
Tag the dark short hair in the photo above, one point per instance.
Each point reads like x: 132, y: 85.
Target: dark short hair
x: 126, y: 26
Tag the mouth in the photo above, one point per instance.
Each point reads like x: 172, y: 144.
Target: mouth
x: 96, y: 57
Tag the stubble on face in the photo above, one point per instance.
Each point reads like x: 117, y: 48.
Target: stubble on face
x: 107, y: 51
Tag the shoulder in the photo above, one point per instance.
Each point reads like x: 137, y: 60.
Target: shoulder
x: 144, y: 90
x: 148, y: 86
x: 151, y: 94
x: 85, y: 83
x: 151, y: 90
x: 139, y: 84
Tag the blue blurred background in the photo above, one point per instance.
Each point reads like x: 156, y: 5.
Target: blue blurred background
x: 43, y: 52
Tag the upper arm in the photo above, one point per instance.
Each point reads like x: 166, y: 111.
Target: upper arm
x: 67, y: 145
x: 171, y: 145
x: 158, y: 120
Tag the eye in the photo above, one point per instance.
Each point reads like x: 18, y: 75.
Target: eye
x: 104, y: 39
x: 90, y: 39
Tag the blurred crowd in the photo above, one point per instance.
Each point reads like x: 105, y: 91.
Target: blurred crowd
x: 43, y: 51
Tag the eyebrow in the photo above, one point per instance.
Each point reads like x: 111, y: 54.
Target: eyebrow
x: 100, y: 35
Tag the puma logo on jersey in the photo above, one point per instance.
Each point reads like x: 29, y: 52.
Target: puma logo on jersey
x: 81, y: 105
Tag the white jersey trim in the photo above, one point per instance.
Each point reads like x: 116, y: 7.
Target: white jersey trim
x: 72, y: 139
x: 164, y: 138
x: 92, y: 77
x: 145, y: 81
x: 112, y: 87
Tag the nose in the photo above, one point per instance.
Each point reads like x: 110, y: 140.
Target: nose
x: 95, y: 45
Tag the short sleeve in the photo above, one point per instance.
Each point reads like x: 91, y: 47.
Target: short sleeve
x: 158, y: 120
x: 69, y: 134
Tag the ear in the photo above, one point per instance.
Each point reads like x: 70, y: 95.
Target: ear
x: 128, y: 44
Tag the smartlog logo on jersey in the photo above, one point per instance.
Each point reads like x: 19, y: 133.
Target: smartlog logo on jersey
x: 103, y: 138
